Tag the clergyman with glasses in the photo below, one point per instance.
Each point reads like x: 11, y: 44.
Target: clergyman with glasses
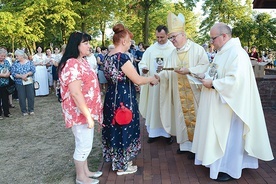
x: 230, y: 133
x: 179, y: 91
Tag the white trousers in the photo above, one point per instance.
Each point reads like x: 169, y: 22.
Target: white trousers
x: 83, y: 141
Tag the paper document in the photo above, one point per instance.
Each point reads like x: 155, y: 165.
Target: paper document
x: 29, y: 81
x: 193, y: 80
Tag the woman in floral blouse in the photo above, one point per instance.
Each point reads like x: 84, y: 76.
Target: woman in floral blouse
x: 4, y: 82
x: 23, y: 70
x: 81, y: 101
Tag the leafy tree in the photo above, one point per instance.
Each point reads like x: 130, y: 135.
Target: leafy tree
x: 227, y: 11
x: 27, y: 23
x: 266, y: 31
x: 32, y: 17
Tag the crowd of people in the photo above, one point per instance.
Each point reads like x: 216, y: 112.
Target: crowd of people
x: 200, y: 99
x: 31, y: 75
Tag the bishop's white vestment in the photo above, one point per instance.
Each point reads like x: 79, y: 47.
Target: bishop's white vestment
x: 179, y: 96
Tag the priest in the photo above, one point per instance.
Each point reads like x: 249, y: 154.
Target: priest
x: 230, y: 132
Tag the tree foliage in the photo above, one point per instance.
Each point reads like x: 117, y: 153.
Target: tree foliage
x: 29, y: 23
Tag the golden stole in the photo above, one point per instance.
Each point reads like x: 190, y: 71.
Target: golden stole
x: 186, y: 96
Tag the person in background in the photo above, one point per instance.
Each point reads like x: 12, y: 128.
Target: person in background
x: 97, y: 51
x: 253, y: 55
x: 149, y: 102
x: 81, y: 102
x: 10, y: 58
x: 132, y: 49
x: 246, y: 49
x: 121, y: 143
x: 179, y: 91
x: 230, y: 133
x: 92, y: 61
x: 57, y: 57
x: 138, y: 55
x: 49, y: 64
x: 100, y: 62
x: 4, y: 82
x: 269, y: 60
x: 41, y: 75
x: 23, y: 71
x: 30, y: 57
x: 110, y: 47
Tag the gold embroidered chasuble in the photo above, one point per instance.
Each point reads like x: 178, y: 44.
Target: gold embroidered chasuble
x: 186, y: 95
x: 179, y: 98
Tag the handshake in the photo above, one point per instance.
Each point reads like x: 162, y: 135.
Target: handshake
x: 155, y: 80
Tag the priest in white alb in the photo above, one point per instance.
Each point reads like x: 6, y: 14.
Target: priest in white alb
x: 230, y: 132
x: 149, y: 104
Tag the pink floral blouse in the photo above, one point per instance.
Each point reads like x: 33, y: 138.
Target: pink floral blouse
x: 80, y: 70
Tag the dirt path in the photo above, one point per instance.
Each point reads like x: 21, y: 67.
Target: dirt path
x: 38, y: 149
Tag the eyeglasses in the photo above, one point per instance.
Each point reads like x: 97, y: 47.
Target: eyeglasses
x: 174, y: 37
x: 212, y: 39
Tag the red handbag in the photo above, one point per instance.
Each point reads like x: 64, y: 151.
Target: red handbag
x: 122, y: 115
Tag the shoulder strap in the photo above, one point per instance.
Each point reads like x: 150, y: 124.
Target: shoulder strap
x: 116, y: 88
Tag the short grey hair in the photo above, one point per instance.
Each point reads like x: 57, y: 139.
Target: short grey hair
x: 20, y: 53
x: 224, y: 29
x: 3, y: 51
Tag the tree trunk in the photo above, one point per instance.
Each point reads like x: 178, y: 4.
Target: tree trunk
x: 146, y: 27
x: 103, y: 38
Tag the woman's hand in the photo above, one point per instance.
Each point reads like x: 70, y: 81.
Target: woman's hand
x: 155, y: 80
x: 24, y: 77
x: 90, y: 122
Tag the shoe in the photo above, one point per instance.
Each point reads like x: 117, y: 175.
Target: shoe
x: 32, y: 113
x: 130, y: 163
x: 181, y: 152
x: 191, y: 156
x: 25, y: 114
x: 130, y: 170
x: 12, y: 106
x: 1, y: 117
x: 93, y: 182
x: 97, y: 174
x: 169, y: 140
x: 223, y: 177
x: 8, y: 116
x: 151, y: 140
